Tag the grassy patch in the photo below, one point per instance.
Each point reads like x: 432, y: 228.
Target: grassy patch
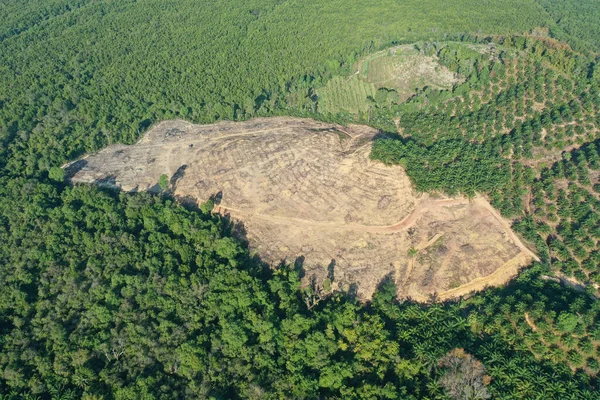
x: 398, y: 72
x: 343, y: 94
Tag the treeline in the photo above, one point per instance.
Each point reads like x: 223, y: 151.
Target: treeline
x: 523, y: 129
x: 451, y: 166
x: 131, y: 296
x: 76, y: 76
x: 577, y: 21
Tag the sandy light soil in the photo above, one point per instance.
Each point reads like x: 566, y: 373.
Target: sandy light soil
x: 307, y: 190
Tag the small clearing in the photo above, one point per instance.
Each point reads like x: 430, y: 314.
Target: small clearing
x: 401, y: 69
x: 307, y: 192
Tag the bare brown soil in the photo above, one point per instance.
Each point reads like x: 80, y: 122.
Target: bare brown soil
x: 308, y: 193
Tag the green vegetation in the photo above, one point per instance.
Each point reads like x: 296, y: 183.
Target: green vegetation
x: 577, y: 21
x: 503, y: 133
x: 163, y: 182
x: 75, y: 77
x: 385, y: 78
x: 349, y: 95
x: 129, y: 296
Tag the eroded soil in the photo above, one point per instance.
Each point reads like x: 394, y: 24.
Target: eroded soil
x: 307, y: 191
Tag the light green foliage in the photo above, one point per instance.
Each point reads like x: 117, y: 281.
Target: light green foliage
x: 567, y: 322
x: 207, y: 206
x: 105, y: 70
x: 343, y: 94
x: 327, y: 285
x: 384, y: 78
x: 577, y: 21
x: 57, y: 174
x: 163, y: 182
x: 486, y: 136
x: 126, y: 308
x: 381, y: 96
x: 393, y: 97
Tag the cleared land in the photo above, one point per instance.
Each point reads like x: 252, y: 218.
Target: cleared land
x: 307, y: 190
x: 403, y: 69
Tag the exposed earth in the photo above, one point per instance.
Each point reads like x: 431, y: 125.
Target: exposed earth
x: 308, y: 193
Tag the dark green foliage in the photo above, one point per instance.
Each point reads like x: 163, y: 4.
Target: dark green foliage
x: 132, y: 296
x: 105, y: 287
x: 453, y: 166
x: 577, y: 21
x: 78, y: 75
x: 471, y: 141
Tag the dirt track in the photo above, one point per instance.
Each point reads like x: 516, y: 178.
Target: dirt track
x: 308, y: 191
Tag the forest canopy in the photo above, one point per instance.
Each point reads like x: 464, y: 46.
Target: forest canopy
x: 75, y: 77
x: 110, y: 295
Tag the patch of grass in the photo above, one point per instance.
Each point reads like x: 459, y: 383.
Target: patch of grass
x: 402, y: 69
x: 343, y: 94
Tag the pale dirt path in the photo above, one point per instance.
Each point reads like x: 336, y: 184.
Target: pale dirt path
x: 170, y: 137
x: 507, y: 228
x: 530, y: 322
x: 502, y: 274
x: 290, y: 129
x: 498, y: 277
x: 400, y: 226
x: 572, y: 283
x: 410, y: 219
x: 191, y: 138
x: 216, y: 137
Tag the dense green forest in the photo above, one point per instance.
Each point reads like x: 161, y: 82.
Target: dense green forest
x: 131, y: 296
x: 125, y: 296
x: 577, y: 21
x: 75, y: 77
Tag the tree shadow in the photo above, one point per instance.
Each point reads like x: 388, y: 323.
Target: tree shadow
x: 386, y: 289
x: 352, y: 293
x: 156, y: 189
x: 385, y: 135
x: 190, y: 203
x: 331, y: 270
x: 177, y: 176
x: 217, y: 198
x: 386, y: 282
x: 72, y: 169
x: 299, y: 266
x: 145, y: 124
x: 109, y: 182
x: 234, y: 228
x: 238, y: 230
